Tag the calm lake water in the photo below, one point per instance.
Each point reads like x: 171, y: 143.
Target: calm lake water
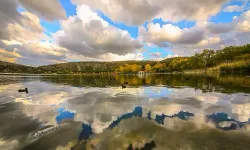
x: 156, y: 111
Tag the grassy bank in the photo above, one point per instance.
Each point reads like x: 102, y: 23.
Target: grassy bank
x: 236, y: 67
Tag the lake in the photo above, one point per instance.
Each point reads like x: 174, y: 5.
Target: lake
x: 150, y: 111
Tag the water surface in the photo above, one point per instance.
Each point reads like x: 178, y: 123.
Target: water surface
x: 95, y: 112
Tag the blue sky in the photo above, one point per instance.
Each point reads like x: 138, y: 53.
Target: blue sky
x: 107, y: 30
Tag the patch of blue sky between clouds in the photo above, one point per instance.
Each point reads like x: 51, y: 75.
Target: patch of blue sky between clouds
x: 68, y: 7
x: 181, y: 24
x: 148, y: 50
x: 132, y: 30
x: 227, y: 17
x: 50, y: 27
x: 54, y: 26
x: 224, y: 17
x: 20, y: 9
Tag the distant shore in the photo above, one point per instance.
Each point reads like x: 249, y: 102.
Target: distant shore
x: 195, y: 71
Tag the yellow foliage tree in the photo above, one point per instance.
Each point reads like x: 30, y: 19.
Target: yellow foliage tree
x: 158, y: 67
x: 129, y: 68
x: 148, y: 68
x: 121, y: 69
x: 135, y: 68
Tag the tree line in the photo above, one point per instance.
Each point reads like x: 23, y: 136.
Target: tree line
x: 229, y: 59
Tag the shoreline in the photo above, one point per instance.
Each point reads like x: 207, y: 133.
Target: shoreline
x: 208, y: 71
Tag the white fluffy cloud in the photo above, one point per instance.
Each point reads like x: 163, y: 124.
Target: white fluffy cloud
x: 33, y: 53
x: 210, y: 35
x: 233, y: 8
x: 156, y: 54
x: 22, y: 36
x: 8, y: 56
x: 237, y: 32
x: 214, y: 28
x: 105, y: 57
x: 243, y: 22
x: 89, y: 35
x: 28, y: 30
x: 48, y: 9
x: 8, y: 14
x: 27, y: 44
x: 169, y: 33
x: 136, y: 12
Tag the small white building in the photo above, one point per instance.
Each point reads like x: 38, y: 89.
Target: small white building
x: 141, y: 72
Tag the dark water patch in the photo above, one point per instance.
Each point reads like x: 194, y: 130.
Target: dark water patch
x: 64, y: 136
x: 181, y: 115
x: 14, y: 124
x: 224, y: 122
x: 86, y: 132
x: 147, y: 146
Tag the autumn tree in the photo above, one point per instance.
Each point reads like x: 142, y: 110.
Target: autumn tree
x: 159, y: 67
x: 135, y: 68
x: 148, y: 68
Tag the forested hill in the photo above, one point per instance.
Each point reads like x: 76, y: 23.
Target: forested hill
x: 70, y: 67
x: 89, y: 67
x: 230, y: 59
x: 6, y: 67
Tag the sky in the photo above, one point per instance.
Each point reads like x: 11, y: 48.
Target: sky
x: 41, y: 32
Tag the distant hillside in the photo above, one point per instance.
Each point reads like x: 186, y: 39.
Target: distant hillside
x: 6, y: 67
x: 89, y: 67
x: 70, y: 67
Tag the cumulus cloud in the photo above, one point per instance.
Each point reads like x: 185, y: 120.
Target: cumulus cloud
x: 31, y: 21
x: 48, y: 9
x: 156, y: 55
x: 239, y: 24
x: 24, y: 43
x: 206, y: 35
x: 37, y: 53
x: 243, y: 22
x: 89, y: 35
x: 233, y: 8
x: 157, y: 35
x: 8, y: 14
x: 8, y: 56
x: 218, y: 28
x: 22, y: 36
x: 32, y: 53
x: 115, y: 57
x: 239, y: 31
x: 137, y: 12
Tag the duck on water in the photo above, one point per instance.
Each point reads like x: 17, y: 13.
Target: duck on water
x: 23, y: 90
